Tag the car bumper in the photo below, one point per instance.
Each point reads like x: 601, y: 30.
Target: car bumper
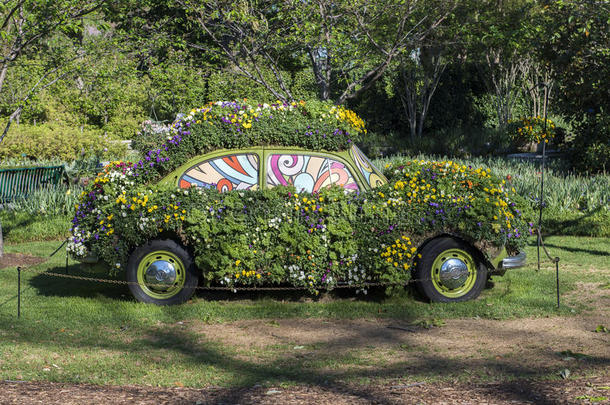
x: 513, y: 262
x: 503, y: 262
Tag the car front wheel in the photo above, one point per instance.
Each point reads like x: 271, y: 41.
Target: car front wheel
x: 161, y: 272
x: 449, y: 271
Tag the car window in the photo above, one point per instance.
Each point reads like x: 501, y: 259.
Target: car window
x: 371, y: 174
x: 226, y: 173
x: 308, y: 173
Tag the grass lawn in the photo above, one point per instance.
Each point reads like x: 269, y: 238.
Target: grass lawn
x: 78, y: 331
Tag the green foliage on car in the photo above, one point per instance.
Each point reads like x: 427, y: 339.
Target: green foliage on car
x: 279, y: 235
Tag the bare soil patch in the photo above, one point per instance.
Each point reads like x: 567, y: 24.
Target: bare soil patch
x: 471, y: 348
x: 580, y: 391
x: 20, y: 259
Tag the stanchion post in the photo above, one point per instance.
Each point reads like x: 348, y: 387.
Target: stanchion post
x: 538, y: 244
x: 18, y: 292
x: 557, y: 276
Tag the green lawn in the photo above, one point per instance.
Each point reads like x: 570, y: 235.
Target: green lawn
x: 78, y: 331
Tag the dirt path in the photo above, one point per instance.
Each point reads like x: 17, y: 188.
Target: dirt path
x: 19, y: 259
x: 522, y: 392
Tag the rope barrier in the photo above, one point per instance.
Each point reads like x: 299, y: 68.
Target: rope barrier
x: 216, y: 288
x: 60, y: 246
x: 552, y: 259
x: 233, y: 289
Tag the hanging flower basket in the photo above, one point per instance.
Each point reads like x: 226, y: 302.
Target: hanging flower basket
x: 528, y: 134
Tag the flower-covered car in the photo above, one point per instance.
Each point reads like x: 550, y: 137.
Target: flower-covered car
x: 239, y: 194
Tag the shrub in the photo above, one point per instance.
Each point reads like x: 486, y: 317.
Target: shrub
x: 49, y: 141
x: 58, y: 200
x: 151, y: 134
x: 591, y: 146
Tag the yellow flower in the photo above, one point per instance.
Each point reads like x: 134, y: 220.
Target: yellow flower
x: 237, y: 262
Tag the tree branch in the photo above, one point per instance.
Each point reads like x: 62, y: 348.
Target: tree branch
x: 23, y: 102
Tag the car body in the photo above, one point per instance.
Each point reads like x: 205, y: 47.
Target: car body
x: 213, y: 202
x: 256, y: 168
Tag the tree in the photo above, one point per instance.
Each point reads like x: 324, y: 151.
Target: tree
x: 499, y: 38
x: 347, y: 45
x: 577, y: 47
x: 29, y: 26
x: 420, y: 73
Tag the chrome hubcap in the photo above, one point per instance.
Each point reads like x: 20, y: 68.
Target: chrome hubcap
x: 453, y: 273
x: 160, y: 272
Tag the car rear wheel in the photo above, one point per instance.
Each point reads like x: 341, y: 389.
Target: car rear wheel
x: 449, y: 271
x: 161, y: 272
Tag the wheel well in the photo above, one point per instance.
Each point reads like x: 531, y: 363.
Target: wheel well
x: 167, y: 235
x: 480, y: 256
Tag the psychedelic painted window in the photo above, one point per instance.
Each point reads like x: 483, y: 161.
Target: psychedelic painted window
x: 369, y: 171
x: 308, y: 173
x: 226, y: 173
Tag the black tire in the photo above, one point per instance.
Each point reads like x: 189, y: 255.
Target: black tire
x: 170, y: 256
x: 462, y: 279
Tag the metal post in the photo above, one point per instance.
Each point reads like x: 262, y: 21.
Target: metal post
x: 66, y: 262
x: 557, y: 276
x: 542, y: 179
x: 538, y: 243
x: 546, y: 101
x: 18, y: 292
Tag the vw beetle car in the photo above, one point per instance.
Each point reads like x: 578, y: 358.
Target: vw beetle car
x: 314, y: 218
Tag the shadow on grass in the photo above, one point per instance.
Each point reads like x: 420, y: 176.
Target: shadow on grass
x: 50, y: 285
x: 56, y: 286
x: 578, y: 250
x: 585, y: 225
x: 245, y: 371
x: 18, y: 222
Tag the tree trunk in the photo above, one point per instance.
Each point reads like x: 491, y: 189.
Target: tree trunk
x: 3, y: 75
